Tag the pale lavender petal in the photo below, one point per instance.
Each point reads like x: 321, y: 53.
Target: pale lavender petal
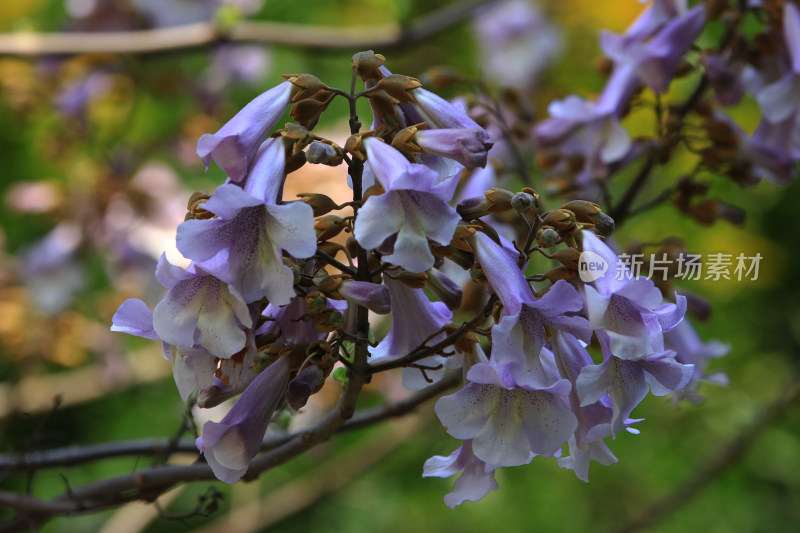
x: 502, y: 271
x: 134, y: 318
x: 466, y: 412
x: 291, y: 228
x: 548, y: 423
x: 169, y: 275
x: 377, y: 220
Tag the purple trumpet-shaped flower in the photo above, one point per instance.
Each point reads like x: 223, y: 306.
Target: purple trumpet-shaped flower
x: 235, y: 144
x: 690, y: 349
x: 781, y: 99
x: 414, y: 208
x: 518, y: 339
x: 578, y: 127
x: 414, y: 319
x: 230, y: 445
x: 594, y: 420
x: 476, y: 479
x: 517, y: 43
x: 627, y: 312
x: 653, y: 61
x: 508, y: 420
x: 468, y: 146
x: 200, y: 310
x: 626, y: 382
x: 251, y: 235
x: 374, y: 297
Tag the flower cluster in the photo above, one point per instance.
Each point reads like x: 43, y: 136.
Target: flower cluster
x: 553, y: 363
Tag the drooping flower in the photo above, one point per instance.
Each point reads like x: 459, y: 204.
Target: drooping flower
x: 507, y: 419
x: 414, y: 319
x: 235, y: 144
x: 626, y: 382
x: 414, y: 208
x: 627, y: 312
x: 230, y: 445
x: 476, y: 479
x: 518, y: 340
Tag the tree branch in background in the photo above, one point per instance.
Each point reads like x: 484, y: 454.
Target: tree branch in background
x: 715, y: 465
x: 190, y: 36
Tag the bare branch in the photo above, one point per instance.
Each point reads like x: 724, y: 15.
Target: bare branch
x: 716, y: 463
x: 203, y: 34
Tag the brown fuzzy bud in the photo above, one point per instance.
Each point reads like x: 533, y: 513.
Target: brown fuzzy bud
x: 561, y: 220
x: 329, y: 226
x: 320, y: 203
x: 375, y: 190
x: 307, y: 112
x: 305, y: 86
x: 366, y: 64
x: 316, y: 302
x: 403, y: 140
x: 397, y: 86
x: 568, y: 257
x: 330, y: 286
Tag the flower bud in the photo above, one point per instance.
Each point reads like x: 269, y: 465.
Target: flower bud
x: 397, y: 85
x: 320, y: 203
x: 559, y: 273
x: 547, y: 237
x: 305, y: 86
x: 366, y: 64
x: 303, y: 386
x: 523, y: 202
x: 561, y: 220
x: 568, y: 257
x: 329, y: 226
x: 445, y: 288
x: 307, y: 112
x: 330, y: 286
x: 372, y: 296
x: 411, y: 279
x: 323, y: 153
x: 316, y: 302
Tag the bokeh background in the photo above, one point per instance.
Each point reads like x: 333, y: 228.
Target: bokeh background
x: 97, y: 154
